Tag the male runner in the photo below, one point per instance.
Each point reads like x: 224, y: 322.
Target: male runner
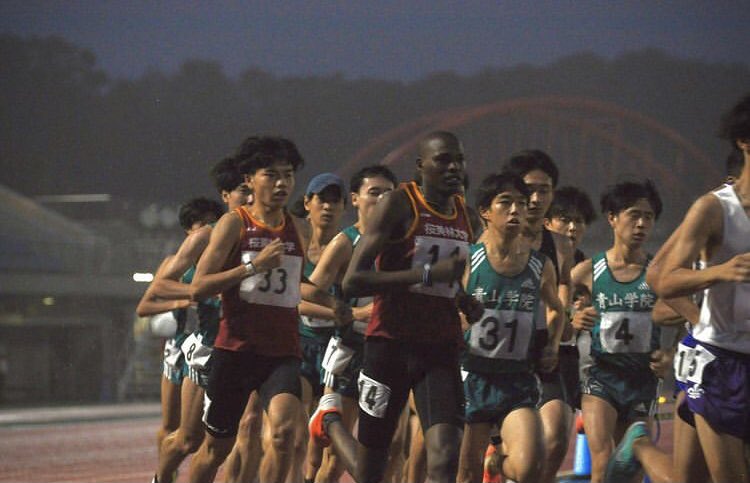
x: 557, y: 402
x: 510, y: 280
x: 193, y: 215
x: 197, y: 347
x: 345, y: 351
x: 718, y: 395
x: 254, y: 259
x: 620, y: 386
x: 420, y: 237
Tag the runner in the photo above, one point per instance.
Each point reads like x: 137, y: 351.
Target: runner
x: 254, y: 259
x: 717, y: 377
x: 345, y: 350
x: 500, y: 387
x: 420, y: 237
x: 322, y: 206
x: 620, y: 386
x: 570, y: 214
x: 171, y: 315
x: 197, y: 347
x: 557, y: 402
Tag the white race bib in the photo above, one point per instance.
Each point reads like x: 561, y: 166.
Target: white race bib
x: 279, y: 287
x: 626, y: 332
x: 701, y: 359
x: 373, y: 396
x: 337, y: 356
x: 428, y: 249
x: 683, y: 360
x: 502, y: 334
x: 172, y: 353
x: 196, y: 353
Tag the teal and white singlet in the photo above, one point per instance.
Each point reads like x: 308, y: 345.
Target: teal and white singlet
x: 501, y: 341
x: 625, y: 335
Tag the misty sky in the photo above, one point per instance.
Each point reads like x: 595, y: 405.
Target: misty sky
x: 388, y: 40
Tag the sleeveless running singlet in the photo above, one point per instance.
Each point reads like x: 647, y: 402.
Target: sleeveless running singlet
x: 421, y: 313
x: 725, y: 314
x: 625, y: 334
x: 260, y: 313
x: 500, y: 342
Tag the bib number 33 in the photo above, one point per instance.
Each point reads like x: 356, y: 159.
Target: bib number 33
x: 279, y: 286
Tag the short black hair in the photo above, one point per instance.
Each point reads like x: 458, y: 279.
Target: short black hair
x: 355, y: 182
x: 735, y: 162
x: 623, y: 195
x: 735, y: 123
x: 528, y: 160
x: 198, y: 209
x: 225, y: 175
x: 569, y: 199
x: 258, y: 152
x: 497, y: 183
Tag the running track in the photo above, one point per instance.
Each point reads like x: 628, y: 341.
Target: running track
x: 101, y: 444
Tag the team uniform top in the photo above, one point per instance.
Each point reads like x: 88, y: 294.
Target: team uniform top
x: 313, y: 327
x: 725, y: 314
x: 501, y: 341
x: 625, y: 334
x: 260, y: 314
x: 355, y: 332
x: 422, y: 313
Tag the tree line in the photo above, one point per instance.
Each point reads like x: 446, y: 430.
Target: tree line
x: 68, y: 126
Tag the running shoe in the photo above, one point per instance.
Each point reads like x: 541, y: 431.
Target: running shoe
x: 329, y: 403
x: 491, y: 465
x: 623, y: 465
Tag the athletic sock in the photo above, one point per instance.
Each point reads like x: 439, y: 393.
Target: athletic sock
x: 329, y: 418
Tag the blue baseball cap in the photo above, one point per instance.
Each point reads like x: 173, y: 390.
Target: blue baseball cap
x: 323, y: 181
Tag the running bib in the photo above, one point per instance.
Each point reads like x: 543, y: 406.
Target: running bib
x: 196, y: 353
x: 428, y: 249
x: 373, y: 396
x: 337, y: 356
x: 625, y: 332
x: 700, y: 360
x: 502, y: 334
x: 683, y: 360
x: 279, y: 287
x: 172, y: 353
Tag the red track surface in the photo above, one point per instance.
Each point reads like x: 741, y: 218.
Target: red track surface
x: 117, y: 446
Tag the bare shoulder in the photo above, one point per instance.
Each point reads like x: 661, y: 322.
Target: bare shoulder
x: 581, y: 273
x: 228, y: 224
x: 704, y: 219
x: 198, y: 238
x: 395, y: 208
